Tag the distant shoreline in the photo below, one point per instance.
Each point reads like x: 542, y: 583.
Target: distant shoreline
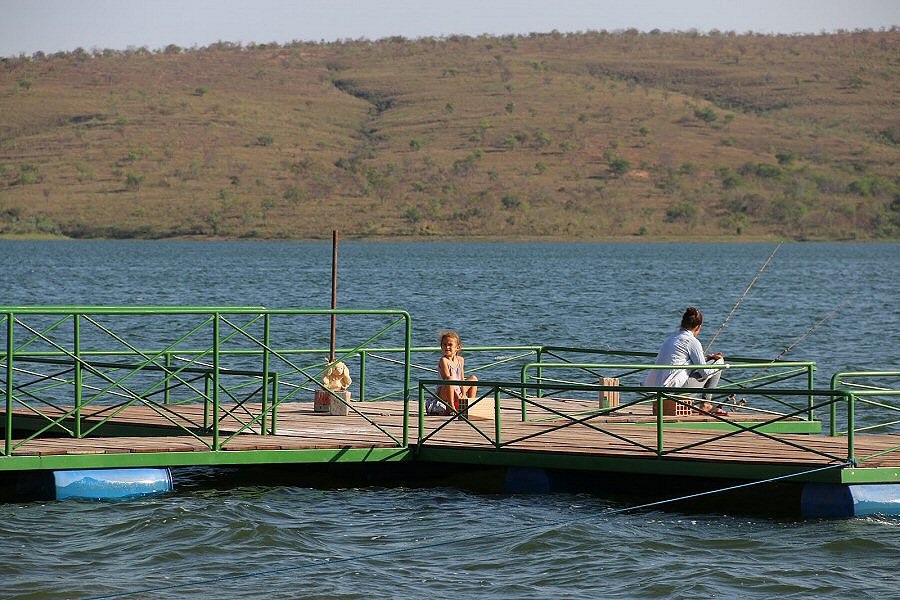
x: 470, y: 239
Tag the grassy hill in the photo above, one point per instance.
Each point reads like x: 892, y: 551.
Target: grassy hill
x: 583, y: 136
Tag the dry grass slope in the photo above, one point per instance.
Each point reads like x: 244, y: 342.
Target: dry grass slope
x: 582, y: 136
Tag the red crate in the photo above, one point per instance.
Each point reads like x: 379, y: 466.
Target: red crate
x: 671, y: 408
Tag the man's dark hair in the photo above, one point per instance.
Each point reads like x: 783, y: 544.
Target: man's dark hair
x: 691, y: 318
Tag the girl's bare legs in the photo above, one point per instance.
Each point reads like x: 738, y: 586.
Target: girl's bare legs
x: 445, y: 393
x: 470, y: 391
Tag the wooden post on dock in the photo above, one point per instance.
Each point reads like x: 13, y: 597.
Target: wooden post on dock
x: 323, y: 399
x: 334, y: 249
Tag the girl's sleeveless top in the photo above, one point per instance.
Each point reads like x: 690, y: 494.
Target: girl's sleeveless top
x: 435, y: 406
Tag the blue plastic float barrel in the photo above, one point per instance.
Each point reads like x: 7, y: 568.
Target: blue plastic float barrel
x: 103, y: 484
x: 836, y: 500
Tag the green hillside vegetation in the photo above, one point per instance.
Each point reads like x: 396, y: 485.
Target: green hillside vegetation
x: 562, y: 136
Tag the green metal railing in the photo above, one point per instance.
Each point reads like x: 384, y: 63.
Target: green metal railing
x: 868, y: 394
x: 523, y: 359
x: 492, y: 391
x: 366, y: 356
x: 101, y: 384
x: 776, y: 373
x: 75, y: 369
x: 361, y: 361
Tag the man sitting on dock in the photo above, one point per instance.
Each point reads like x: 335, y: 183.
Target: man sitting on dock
x: 683, y: 348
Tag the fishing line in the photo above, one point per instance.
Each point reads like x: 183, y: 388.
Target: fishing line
x: 816, y: 326
x: 312, y: 563
x: 744, y: 295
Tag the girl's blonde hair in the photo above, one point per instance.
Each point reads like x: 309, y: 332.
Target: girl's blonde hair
x: 449, y: 333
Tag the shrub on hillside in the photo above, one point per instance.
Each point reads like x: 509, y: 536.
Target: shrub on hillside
x: 466, y: 165
x: 684, y: 212
x: 413, y: 215
x: 29, y: 173
x: 745, y: 204
x: 891, y: 135
x: 787, y: 212
x: 296, y: 194
x: 731, y: 181
x: 873, y: 185
x: 542, y: 140
x: 707, y: 114
x: 785, y: 157
x: 762, y: 170
x: 85, y: 172
x: 511, y: 202
x: 729, y: 178
x: 619, y: 166
x: 509, y: 142
x: 133, y: 181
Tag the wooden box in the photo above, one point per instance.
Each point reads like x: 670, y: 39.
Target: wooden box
x: 325, y: 403
x: 482, y: 410
x: 609, y: 398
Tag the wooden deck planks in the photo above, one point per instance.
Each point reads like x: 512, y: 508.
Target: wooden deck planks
x: 300, y: 428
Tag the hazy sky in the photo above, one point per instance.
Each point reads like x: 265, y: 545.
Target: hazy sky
x: 27, y: 26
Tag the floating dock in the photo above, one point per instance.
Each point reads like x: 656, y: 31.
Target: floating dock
x: 101, y: 400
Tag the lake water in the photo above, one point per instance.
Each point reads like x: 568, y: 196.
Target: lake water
x: 266, y: 536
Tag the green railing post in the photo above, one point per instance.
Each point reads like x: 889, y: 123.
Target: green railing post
x: 362, y: 375
x: 406, y: 402
x: 215, y: 391
x: 206, y: 404
x: 407, y: 357
x: 851, y: 425
x: 10, y: 323
x: 659, y: 423
x: 76, y: 351
x: 265, y: 379
x: 524, y: 393
x: 274, y: 402
x: 540, y: 373
x: 421, y: 414
x: 832, y: 429
x: 497, y: 427
x: 167, y: 394
x: 810, y: 382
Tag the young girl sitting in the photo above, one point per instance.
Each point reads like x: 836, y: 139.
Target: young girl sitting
x: 451, y: 366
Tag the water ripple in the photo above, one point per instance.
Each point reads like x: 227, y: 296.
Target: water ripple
x: 228, y: 534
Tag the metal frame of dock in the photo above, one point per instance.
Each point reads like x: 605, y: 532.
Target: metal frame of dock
x: 234, y: 386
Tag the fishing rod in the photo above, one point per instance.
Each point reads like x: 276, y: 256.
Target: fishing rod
x: 816, y: 326
x: 744, y: 295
